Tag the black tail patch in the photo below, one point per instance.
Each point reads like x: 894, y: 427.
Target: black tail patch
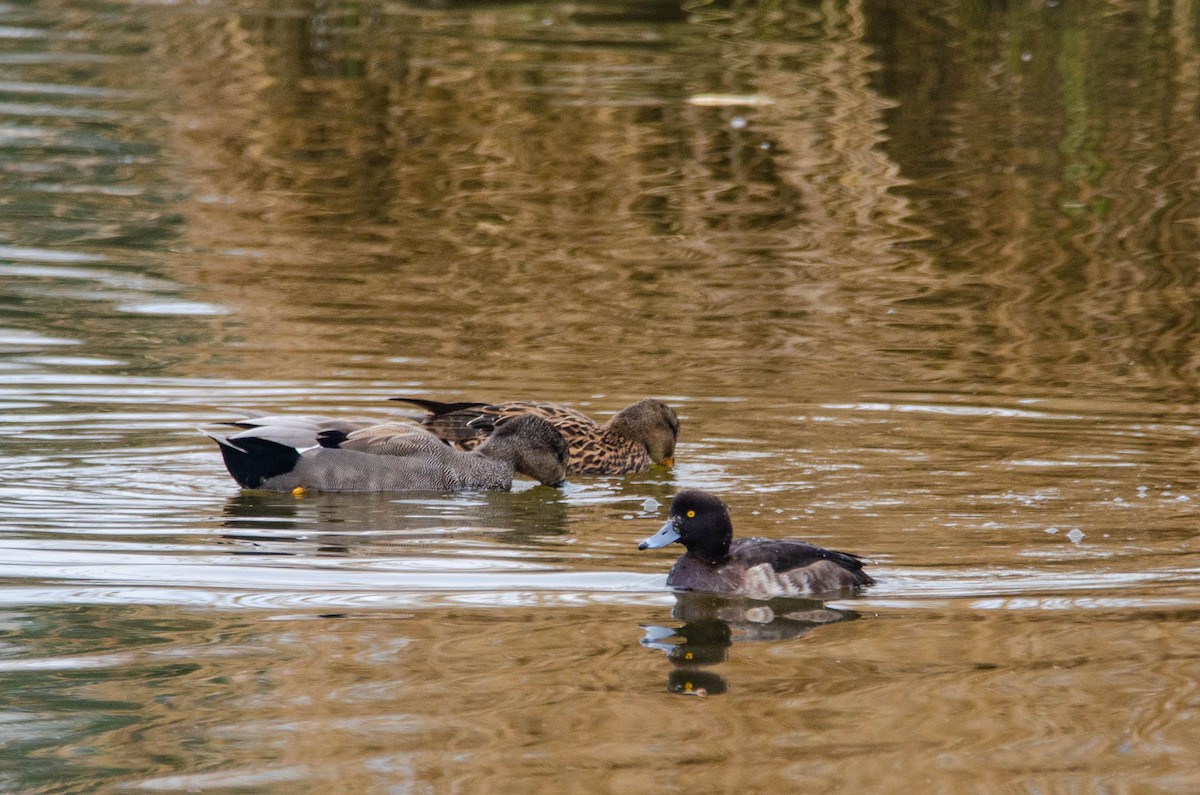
x: 436, y: 408
x: 253, y: 460
x: 331, y: 437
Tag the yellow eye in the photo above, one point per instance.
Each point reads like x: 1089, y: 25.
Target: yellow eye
x: 691, y: 514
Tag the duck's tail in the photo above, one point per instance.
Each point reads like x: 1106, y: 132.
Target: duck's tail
x: 460, y: 425
x: 252, y: 460
x: 437, y: 408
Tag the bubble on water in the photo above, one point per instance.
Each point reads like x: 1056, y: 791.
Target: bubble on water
x: 737, y: 122
x: 1051, y: 530
x: 650, y: 504
x: 1075, y: 535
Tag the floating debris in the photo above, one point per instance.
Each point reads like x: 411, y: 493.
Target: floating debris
x: 730, y: 100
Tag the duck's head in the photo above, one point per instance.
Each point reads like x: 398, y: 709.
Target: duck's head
x: 698, y: 520
x: 653, y: 424
x: 539, y: 450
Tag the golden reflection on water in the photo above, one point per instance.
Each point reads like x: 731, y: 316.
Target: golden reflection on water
x: 500, y: 210
x: 523, y: 700
x: 525, y: 202
x: 920, y: 280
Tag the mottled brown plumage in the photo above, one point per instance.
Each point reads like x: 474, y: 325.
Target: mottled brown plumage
x: 635, y: 438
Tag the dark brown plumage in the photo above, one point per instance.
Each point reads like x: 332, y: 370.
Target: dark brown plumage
x: 635, y: 438
x: 760, y: 568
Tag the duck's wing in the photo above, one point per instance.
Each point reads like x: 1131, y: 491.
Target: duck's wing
x: 460, y: 424
x: 300, y: 431
x: 784, y: 555
x: 465, y: 425
x: 767, y: 569
x: 388, y: 438
x: 560, y: 416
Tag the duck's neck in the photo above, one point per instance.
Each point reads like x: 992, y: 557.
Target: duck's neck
x: 710, y: 558
x: 501, y: 449
x: 616, y: 435
x: 618, y: 426
x: 714, y: 548
x: 490, y: 463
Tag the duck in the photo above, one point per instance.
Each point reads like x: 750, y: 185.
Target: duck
x: 757, y: 568
x: 294, y: 453
x: 637, y: 437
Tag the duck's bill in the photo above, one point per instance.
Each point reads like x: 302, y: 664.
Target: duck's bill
x: 666, y: 534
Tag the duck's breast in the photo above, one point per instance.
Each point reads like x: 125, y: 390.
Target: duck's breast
x: 693, y: 574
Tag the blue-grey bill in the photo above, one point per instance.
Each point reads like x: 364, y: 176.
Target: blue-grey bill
x: 665, y: 535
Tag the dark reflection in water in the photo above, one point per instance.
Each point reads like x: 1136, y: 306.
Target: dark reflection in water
x: 713, y: 624
x: 376, y: 523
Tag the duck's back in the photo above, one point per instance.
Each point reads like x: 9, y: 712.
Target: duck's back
x: 764, y: 568
x: 390, y: 457
x: 453, y: 421
x: 593, y: 450
x: 389, y: 439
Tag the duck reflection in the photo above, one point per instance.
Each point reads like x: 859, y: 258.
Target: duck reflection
x: 712, y: 624
x: 260, y: 523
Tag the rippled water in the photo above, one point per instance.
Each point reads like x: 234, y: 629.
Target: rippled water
x: 919, y: 279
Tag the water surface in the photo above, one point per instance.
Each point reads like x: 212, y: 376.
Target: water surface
x: 919, y: 279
